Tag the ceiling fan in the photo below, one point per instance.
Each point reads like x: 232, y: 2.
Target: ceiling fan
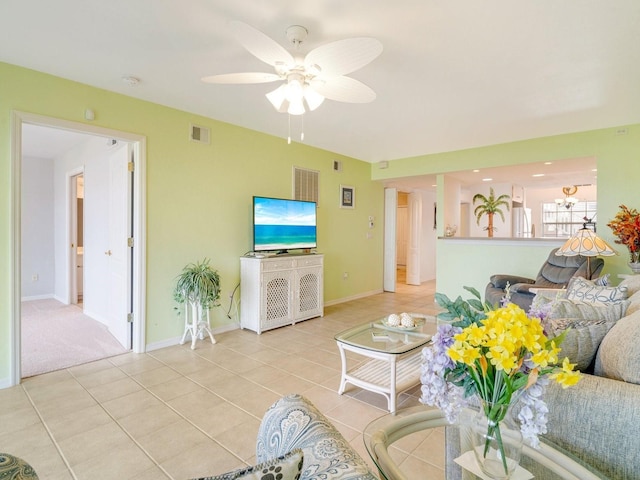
x: 307, y: 80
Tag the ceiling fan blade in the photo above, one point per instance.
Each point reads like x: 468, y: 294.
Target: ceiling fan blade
x: 260, y: 45
x: 344, y: 89
x: 344, y: 56
x: 246, y: 77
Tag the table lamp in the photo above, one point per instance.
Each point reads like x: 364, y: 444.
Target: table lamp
x: 585, y: 242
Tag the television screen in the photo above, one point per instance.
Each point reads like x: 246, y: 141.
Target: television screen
x: 281, y: 225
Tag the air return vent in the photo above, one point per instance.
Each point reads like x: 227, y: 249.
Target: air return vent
x: 305, y: 184
x: 199, y: 134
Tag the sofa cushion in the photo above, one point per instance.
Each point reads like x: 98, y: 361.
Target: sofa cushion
x: 586, y: 291
x: 284, y: 467
x: 619, y: 353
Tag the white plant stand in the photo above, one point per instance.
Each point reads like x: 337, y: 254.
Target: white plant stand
x: 194, y: 323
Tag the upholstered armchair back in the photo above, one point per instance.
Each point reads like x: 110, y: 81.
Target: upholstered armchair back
x: 558, y: 270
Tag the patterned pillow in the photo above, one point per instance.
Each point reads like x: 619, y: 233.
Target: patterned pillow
x: 603, y: 280
x: 284, y: 467
x: 589, y: 312
x: 586, y: 291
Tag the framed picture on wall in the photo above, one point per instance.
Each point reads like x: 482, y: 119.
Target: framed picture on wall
x: 347, y: 196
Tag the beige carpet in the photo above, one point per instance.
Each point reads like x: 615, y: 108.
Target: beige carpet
x: 57, y: 336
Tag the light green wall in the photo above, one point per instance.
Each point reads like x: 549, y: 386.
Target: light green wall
x: 198, y: 196
x: 461, y: 263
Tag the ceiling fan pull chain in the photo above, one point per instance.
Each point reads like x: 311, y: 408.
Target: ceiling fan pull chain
x: 302, y: 128
x: 289, y: 136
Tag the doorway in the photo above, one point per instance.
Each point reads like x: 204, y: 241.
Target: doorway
x: 74, y: 244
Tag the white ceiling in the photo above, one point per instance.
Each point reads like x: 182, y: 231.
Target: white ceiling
x: 453, y: 74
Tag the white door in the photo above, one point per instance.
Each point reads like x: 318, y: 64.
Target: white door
x: 389, y: 262
x: 118, y: 253
x: 413, y: 247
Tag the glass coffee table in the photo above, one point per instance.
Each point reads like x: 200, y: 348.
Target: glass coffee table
x: 392, y: 356
x: 550, y: 462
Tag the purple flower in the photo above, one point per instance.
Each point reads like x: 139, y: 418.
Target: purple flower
x: 436, y: 391
x: 533, y: 412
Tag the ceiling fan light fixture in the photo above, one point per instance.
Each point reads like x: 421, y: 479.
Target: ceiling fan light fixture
x: 296, y: 107
x: 277, y: 97
x: 294, y: 88
x: 313, y: 98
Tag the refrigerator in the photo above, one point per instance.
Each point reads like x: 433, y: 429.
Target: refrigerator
x: 521, y: 222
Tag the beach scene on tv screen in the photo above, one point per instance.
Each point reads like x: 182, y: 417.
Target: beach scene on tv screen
x: 284, y: 225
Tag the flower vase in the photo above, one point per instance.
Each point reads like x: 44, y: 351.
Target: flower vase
x: 497, y: 440
x: 635, y: 267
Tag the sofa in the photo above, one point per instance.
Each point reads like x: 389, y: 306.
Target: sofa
x: 597, y: 420
x: 556, y: 272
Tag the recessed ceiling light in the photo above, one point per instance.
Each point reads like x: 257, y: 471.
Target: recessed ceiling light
x: 548, y: 163
x: 538, y: 175
x: 434, y: 185
x: 594, y: 169
x: 476, y: 171
x: 487, y: 179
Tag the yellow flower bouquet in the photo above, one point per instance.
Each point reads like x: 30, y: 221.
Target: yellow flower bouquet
x: 496, y: 355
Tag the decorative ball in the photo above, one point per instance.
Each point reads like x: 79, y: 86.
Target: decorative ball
x: 393, y: 320
x: 406, y: 320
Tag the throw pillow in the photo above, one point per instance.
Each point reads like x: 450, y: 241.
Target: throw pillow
x: 619, y: 354
x: 634, y: 303
x: 285, y: 467
x: 586, y: 291
x: 603, y: 280
x: 582, y: 341
x: 589, y: 312
x: 632, y: 284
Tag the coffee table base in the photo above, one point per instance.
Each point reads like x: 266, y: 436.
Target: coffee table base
x: 386, y: 374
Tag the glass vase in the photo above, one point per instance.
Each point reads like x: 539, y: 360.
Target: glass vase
x: 497, y: 440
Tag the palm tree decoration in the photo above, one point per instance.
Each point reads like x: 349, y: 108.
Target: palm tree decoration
x: 489, y: 207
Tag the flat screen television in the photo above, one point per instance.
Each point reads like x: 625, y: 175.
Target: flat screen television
x: 281, y: 225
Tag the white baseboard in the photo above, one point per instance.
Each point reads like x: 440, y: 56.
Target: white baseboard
x: 37, y: 297
x: 5, y: 383
x: 170, y: 342
x: 354, y: 297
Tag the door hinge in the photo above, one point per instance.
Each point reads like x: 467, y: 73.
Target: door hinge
x: 129, y: 317
x: 130, y: 166
x: 130, y: 242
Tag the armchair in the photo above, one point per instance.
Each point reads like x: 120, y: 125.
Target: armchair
x: 556, y: 272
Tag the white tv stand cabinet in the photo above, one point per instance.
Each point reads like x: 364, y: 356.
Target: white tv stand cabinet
x: 280, y: 290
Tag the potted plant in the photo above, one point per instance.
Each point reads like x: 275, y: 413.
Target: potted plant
x: 198, y: 289
x: 626, y: 227
x: 489, y: 207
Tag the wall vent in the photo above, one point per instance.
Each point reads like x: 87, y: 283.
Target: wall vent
x: 199, y: 134
x: 305, y: 184
x: 337, y: 166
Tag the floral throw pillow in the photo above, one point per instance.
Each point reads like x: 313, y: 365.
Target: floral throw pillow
x: 285, y: 467
x: 581, y: 289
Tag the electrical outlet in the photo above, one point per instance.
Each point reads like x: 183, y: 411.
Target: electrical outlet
x: 345, y: 275
x: 34, y: 278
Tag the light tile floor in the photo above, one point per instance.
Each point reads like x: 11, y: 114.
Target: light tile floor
x: 176, y: 413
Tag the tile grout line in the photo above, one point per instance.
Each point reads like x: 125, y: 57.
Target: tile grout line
x: 49, y: 433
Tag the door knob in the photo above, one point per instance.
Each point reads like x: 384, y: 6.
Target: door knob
x: 108, y: 252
